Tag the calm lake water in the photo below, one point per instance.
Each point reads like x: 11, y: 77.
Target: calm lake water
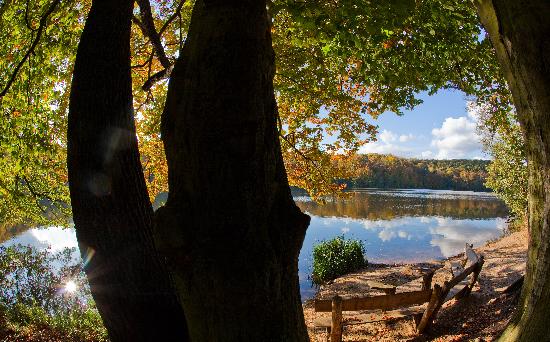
x: 399, y: 226
x: 395, y: 226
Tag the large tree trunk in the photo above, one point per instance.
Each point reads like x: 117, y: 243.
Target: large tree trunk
x: 519, y: 32
x: 230, y: 229
x: 111, y: 209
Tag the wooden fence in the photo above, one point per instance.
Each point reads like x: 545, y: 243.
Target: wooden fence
x: 435, y: 297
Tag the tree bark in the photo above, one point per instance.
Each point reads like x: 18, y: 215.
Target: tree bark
x: 519, y: 32
x: 111, y: 209
x: 230, y: 229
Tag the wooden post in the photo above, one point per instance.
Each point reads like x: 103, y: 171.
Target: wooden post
x: 417, y: 317
x: 427, y: 317
x: 336, y: 324
x: 467, y: 289
x: 477, y: 272
x: 427, y: 280
x: 444, y: 291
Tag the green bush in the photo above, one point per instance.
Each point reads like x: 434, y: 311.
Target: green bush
x: 337, y: 257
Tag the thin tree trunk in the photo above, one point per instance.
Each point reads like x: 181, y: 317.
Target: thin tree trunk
x: 111, y: 209
x: 519, y: 32
x: 230, y: 229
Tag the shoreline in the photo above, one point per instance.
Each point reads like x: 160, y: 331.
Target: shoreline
x: 482, y: 316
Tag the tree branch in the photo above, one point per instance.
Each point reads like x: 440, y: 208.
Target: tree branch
x: 172, y: 17
x: 298, y: 151
x: 27, y: 21
x: 148, y: 61
x: 43, y: 21
x: 148, y: 28
x: 35, y: 194
x: 157, y: 77
x: 139, y: 24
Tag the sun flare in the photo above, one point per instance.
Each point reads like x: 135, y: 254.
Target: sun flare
x: 71, y: 286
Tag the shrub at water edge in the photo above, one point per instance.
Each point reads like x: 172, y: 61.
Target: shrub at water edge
x: 337, y: 257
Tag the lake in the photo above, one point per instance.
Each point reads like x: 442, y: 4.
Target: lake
x: 401, y: 226
x: 395, y: 225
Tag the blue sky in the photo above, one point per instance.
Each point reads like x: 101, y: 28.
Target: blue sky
x: 440, y: 128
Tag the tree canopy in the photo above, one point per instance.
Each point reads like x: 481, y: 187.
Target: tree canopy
x: 39, y: 43
x: 339, y: 65
x: 507, y: 176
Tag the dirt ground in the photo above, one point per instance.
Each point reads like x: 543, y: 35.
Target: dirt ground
x: 482, y: 316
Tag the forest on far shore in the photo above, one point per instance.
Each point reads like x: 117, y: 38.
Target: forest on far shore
x: 389, y: 171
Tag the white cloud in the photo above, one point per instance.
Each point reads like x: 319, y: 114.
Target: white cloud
x: 406, y: 137
x: 386, y: 235
x: 427, y: 154
x: 389, y: 143
x: 390, y: 229
x: 387, y: 136
x: 385, y: 224
x: 451, y: 235
x: 457, y: 137
x: 376, y: 147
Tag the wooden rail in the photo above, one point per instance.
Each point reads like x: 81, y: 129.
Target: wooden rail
x: 434, y: 297
x: 383, y: 302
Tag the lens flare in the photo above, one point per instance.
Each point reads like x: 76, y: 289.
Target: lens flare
x: 71, y: 286
x: 88, y: 256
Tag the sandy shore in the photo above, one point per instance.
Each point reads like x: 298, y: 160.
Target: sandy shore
x: 480, y: 317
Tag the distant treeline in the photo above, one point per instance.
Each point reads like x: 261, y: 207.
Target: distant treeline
x: 388, y: 171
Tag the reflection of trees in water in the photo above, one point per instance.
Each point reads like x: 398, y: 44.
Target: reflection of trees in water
x: 7, y: 232
x: 376, y: 207
x: 383, y: 207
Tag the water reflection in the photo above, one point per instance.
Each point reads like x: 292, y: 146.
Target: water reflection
x: 402, y: 225
x: 54, y: 238
x: 390, y: 204
x: 395, y: 225
x: 8, y: 232
x: 450, y: 235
